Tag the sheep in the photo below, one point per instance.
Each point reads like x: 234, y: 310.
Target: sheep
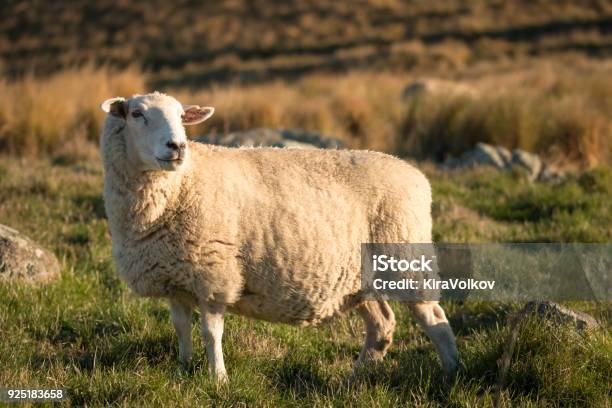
x: 267, y: 233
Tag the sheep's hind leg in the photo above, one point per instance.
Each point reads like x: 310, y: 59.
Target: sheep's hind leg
x: 380, y: 324
x: 180, y: 315
x: 432, y: 319
x: 212, y: 332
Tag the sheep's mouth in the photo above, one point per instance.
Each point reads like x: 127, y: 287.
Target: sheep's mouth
x: 177, y: 160
x: 169, y: 164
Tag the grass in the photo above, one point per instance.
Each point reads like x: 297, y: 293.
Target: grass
x: 488, y: 206
x: 538, y: 75
x: 87, y: 333
x: 564, y: 115
x: 566, y: 118
x: 60, y: 115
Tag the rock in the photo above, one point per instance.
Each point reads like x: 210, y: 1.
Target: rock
x: 552, y: 174
x: 562, y: 315
x: 530, y: 162
x: 483, y: 155
x: 543, y: 309
x: 272, y: 137
x: 22, y: 259
x: 500, y: 158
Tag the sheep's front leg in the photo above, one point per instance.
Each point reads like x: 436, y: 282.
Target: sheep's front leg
x: 432, y: 319
x: 180, y: 315
x: 212, y: 331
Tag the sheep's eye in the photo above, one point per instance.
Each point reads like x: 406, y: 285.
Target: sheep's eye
x: 137, y: 114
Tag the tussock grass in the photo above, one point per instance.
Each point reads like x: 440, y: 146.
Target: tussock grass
x: 566, y: 116
x: 45, y: 116
x: 60, y: 114
x: 348, y: 107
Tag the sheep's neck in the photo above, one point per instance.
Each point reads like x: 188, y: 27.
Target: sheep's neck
x: 137, y: 202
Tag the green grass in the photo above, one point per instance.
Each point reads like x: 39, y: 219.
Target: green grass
x: 87, y: 333
x: 488, y: 206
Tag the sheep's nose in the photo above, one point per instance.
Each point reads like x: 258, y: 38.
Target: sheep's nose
x: 175, y: 146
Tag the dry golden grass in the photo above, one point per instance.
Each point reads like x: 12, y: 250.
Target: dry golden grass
x: 363, y: 109
x: 564, y: 114
x: 42, y: 116
x: 47, y: 116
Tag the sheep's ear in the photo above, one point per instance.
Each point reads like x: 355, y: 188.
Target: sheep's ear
x: 115, y: 106
x: 195, y: 114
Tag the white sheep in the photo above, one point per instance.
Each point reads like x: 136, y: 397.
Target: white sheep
x: 272, y: 234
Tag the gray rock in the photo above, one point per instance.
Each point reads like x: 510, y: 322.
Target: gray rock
x: 562, y: 315
x: 272, y: 137
x: 500, y: 158
x: 483, y: 155
x: 549, y: 311
x: 551, y: 174
x: 529, y: 162
x: 22, y: 259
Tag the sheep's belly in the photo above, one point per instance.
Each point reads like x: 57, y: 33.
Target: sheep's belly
x: 151, y: 278
x: 148, y: 286
x: 299, y: 310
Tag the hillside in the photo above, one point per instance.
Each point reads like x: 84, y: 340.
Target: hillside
x: 191, y: 42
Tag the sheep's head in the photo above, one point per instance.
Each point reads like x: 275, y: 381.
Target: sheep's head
x: 155, y: 137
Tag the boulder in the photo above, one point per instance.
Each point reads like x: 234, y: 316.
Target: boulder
x: 583, y: 322
x: 272, y: 137
x: 545, y: 310
x: 551, y: 173
x: 483, y: 155
x: 22, y: 259
x: 501, y: 158
x: 529, y: 162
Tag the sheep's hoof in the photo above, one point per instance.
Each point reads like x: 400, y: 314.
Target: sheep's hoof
x: 450, y: 372
x: 185, y: 362
x: 450, y: 375
x: 221, y: 378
